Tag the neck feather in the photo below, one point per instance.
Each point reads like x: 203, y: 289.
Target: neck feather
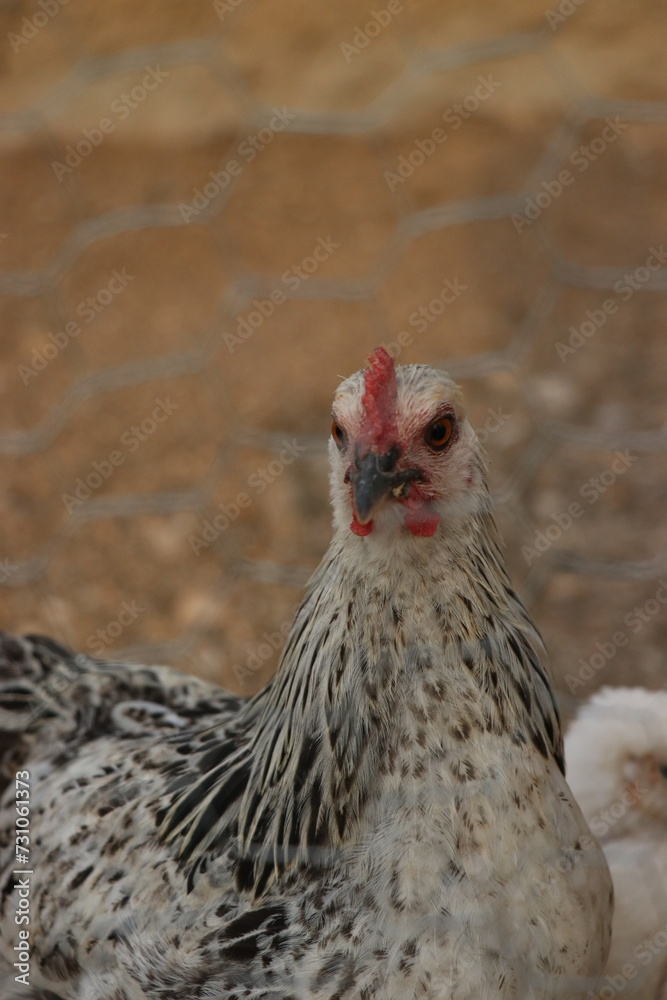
x: 382, y: 650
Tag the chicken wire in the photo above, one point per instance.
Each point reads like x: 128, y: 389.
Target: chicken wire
x: 526, y: 501
x: 554, y: 425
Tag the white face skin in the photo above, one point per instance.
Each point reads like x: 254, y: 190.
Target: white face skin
x: 445, y: 484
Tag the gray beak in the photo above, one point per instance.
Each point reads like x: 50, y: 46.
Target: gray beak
x: 373, y: 479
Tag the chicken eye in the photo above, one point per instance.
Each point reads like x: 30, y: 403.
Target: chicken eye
x: 439, y: 434
x: 663, y: 770
x: 338, y: 434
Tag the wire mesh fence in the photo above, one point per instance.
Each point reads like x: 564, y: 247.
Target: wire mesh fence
x: 212, y: 211
x: 210, y: 217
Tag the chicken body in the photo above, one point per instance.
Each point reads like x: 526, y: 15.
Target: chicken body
x: 387, y: 819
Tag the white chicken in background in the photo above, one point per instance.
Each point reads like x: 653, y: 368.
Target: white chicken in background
x: 616, y: 755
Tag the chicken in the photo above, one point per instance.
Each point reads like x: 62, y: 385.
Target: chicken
x: 616, y: 752
x: 388, y: 818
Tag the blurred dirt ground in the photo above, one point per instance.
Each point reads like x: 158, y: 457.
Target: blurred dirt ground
x: 485, y: 188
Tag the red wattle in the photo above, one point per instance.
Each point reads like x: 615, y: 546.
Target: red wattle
x: 360, y: 529
x: 421, y: 521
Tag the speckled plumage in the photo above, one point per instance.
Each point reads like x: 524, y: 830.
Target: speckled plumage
x: 387, y: 819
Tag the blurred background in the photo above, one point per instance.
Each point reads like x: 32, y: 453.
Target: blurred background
x: 212, y: 211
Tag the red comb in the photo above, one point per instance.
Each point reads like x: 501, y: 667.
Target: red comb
x: 379, y: 401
